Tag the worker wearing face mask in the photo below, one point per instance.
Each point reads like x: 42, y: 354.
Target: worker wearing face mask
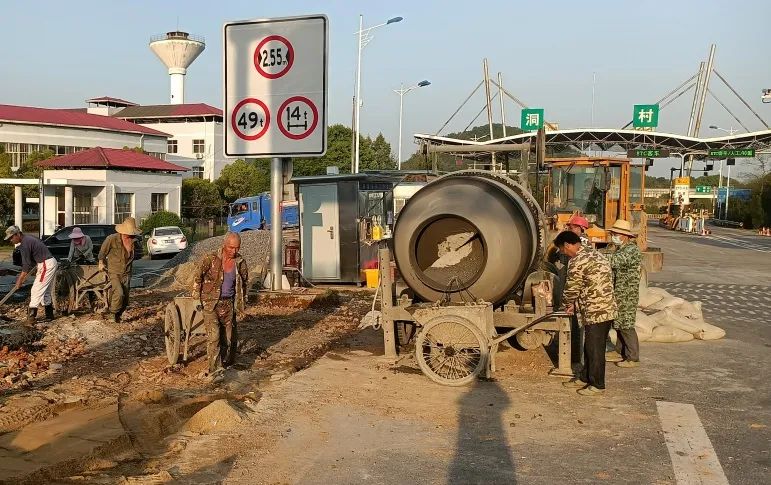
x: 626, y: 263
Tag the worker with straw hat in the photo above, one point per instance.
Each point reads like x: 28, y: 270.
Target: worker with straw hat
x: 626, y: 263
x: 117, y: 257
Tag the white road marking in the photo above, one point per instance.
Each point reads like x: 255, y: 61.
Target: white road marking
x: 741, y: 244
x: 693, y: 458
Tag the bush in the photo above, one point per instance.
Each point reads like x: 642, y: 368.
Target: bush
x: 160, y: 219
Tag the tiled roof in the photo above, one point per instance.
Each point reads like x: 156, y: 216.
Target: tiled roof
x: 108, y: 99
x: 111, y: 158
x: 168, y: 111
x: 64, y: 117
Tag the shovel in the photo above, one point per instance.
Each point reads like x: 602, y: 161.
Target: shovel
x: 13, y: 290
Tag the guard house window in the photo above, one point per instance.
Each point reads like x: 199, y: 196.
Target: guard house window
x: 198, y: 172
x: 171, y: 146
x: 124, y: 207
x: 158, y: 202
x: 198, y: 146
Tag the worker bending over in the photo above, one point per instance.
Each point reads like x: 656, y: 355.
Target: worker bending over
x: 589, y: 294
x: 35, y: 254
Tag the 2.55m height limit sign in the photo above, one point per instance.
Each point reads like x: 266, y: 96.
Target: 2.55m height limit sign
x: 275, y: 78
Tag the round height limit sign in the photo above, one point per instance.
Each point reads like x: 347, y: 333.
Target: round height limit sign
x: 275, y: 74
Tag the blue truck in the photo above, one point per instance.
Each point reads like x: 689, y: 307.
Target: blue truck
x: 253, y: 213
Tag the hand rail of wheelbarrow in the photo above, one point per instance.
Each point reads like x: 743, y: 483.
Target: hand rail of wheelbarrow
x: 538, y: 320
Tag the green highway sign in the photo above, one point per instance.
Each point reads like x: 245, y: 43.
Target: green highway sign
x: 703, y: 189
x: 732, y: 153
x: 532, y: 119
x: 648, y: 153
x: 645, y: 116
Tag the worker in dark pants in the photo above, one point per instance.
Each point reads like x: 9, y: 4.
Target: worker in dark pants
x: 35, y: 254
x: 220, y: 285
x: 626, y: 262
x: 589, y: 294
x: 117, y: 256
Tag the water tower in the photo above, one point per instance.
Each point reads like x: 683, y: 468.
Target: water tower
x: 177, y: 50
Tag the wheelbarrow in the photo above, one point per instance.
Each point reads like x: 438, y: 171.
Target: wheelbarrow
x: 183, y: 319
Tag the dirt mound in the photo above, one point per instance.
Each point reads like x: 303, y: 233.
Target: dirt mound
x: 255, y: 249
x: 220, y: 415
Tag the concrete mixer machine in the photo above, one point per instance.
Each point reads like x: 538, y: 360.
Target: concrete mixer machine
x: 469, y: 247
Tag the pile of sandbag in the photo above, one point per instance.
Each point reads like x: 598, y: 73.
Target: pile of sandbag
x: 662, y: 317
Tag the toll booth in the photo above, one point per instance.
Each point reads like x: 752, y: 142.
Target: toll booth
x: 339, y: 220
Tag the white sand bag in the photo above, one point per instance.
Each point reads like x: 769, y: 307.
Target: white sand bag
x: 658, y: 291
x: 648, y: 298
x: 613, y: 336
x: 670, y: 318
x: 709, y: 332
x: 645, y: 322
x: 666, y: 302
x: 667, y: 334
x: 643, y: 334
x: 689, y: 309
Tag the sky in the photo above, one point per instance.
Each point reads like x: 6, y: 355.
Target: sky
x: 57, y: 54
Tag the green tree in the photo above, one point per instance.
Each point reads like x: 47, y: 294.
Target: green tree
x: 242, y: 179
x: 200, y: 199
x: 160, y: 219
x: 28, y: 169
x: 6, y: 191
x: 338, y: 154
x: 377, y: 155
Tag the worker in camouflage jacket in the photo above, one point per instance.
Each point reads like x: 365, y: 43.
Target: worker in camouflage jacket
x: 220, y: 284
x: 625, y: 262
x: 588, y: 293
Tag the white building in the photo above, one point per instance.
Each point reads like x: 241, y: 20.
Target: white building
x: 104, y: 186
x: 25, y: 129
x: 196, y: 134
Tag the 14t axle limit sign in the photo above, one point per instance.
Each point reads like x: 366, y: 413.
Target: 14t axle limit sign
x: 275, y: 74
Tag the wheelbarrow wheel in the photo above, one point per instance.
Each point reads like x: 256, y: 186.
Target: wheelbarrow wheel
x: 172, y: 331
x: 451, y: 350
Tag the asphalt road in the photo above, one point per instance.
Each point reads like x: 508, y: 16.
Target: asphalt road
x: 695, y: 412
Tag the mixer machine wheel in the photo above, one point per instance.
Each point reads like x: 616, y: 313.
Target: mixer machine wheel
x: 451, y: 350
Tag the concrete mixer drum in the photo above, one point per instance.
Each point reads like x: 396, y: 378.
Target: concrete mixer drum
x: 469, y: 236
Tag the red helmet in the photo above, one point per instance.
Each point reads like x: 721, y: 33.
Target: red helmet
x: 579, y: 221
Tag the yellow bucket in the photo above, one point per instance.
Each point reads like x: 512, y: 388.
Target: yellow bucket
x: 372, y: 277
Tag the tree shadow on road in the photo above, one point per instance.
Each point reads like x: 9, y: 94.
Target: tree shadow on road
x: 482, y: 451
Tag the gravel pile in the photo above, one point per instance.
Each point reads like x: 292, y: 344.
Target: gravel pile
x: 255, y: 249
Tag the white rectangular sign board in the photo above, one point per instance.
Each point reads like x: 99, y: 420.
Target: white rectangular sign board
x: 275, y: 79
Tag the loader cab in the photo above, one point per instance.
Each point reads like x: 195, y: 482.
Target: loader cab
x: 602, y: 189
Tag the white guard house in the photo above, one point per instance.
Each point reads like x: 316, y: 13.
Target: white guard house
x: 106, y: 185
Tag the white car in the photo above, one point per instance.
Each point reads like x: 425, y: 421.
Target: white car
x: 165, y: 240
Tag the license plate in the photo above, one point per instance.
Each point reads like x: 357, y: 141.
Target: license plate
x: 168, y: 241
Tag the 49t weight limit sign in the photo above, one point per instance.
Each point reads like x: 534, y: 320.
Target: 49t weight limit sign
x: 275, y: 78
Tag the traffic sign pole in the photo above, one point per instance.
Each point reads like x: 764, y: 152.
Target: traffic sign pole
x: 276, y: 224
x: 275, y: 100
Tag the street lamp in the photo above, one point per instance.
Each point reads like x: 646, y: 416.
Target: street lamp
x: 401, y: 92
x: 730, y: 130
x: 364, y: 39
